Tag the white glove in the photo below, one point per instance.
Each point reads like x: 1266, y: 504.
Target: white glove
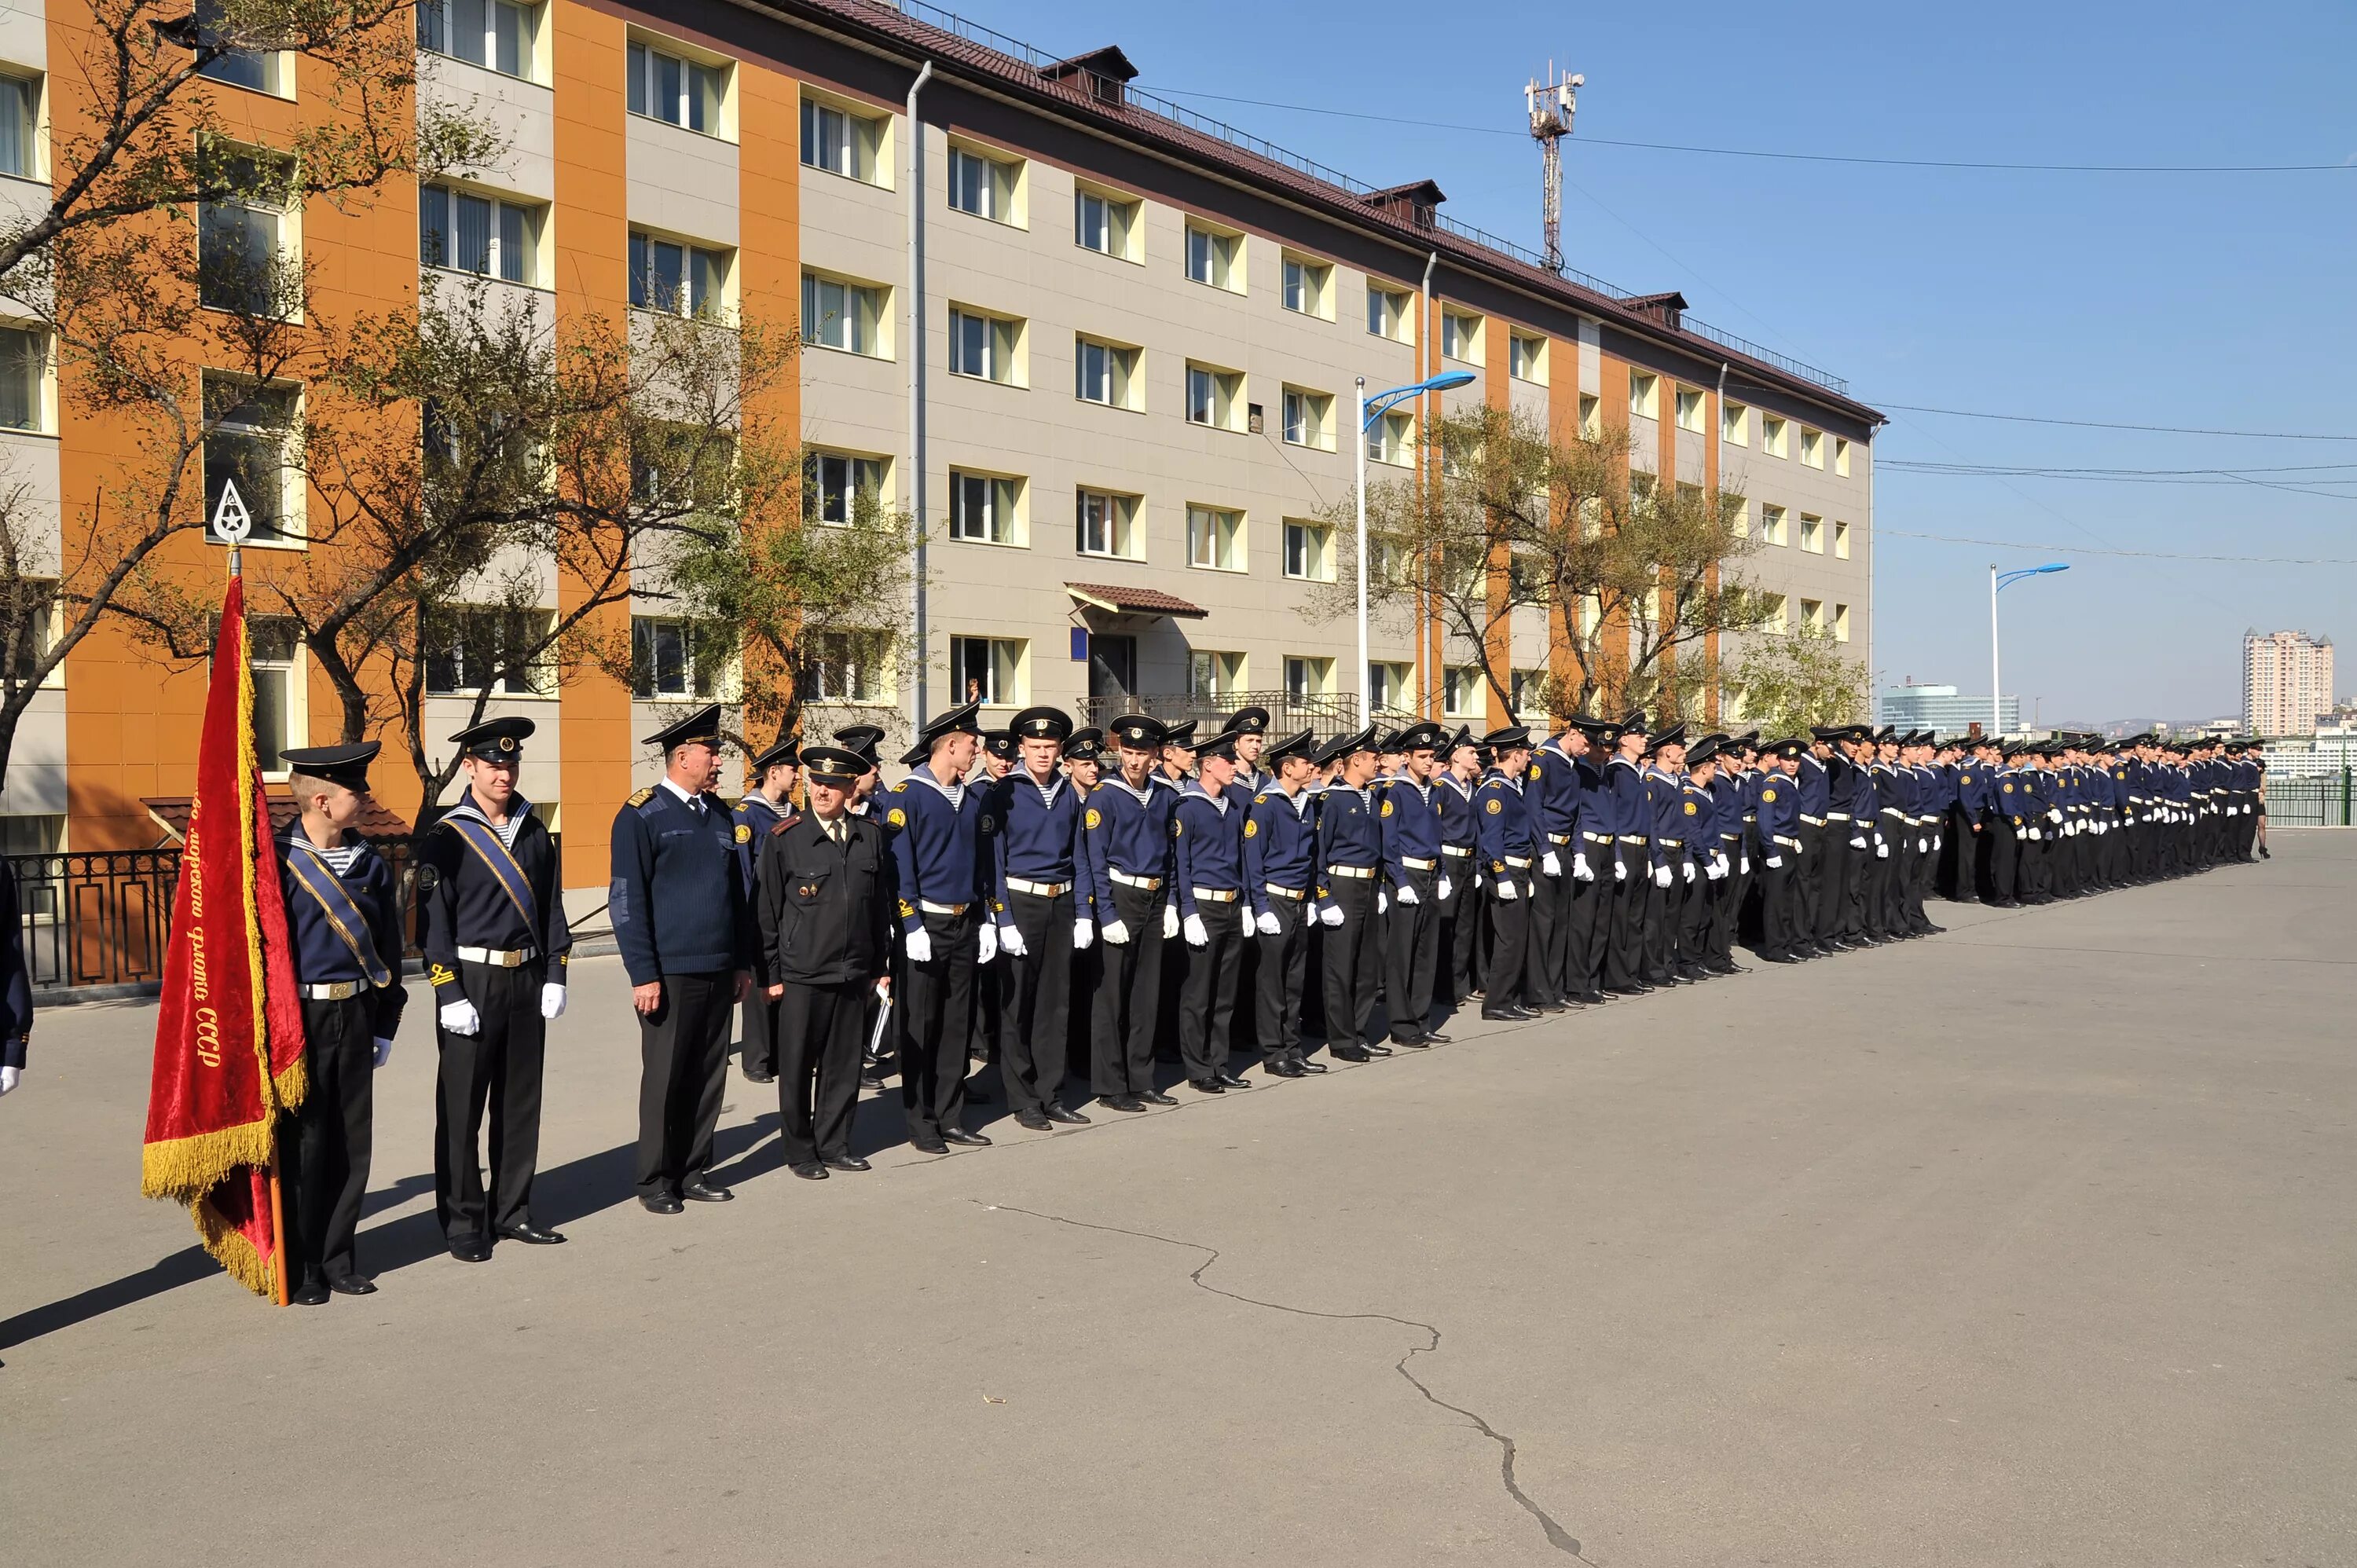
x: 1407, y: 894
x: 1550, y: 865
x: 1922, y: 846
x: 1084, y: 931
x: 1117, y: 935
x: 1687, y: 866
x: 1507, y: 891
x: 1196, y: 936
x: 1269, y: 925
x: 1619, y: 870
x: 460, y: 1018
x: 1715, y: 871
x: 1382, y: 902
x: 9, y: 1077
x: 1445, y: 886
x: 1661, y: 876
x: 1330, y: 916
x: 1857, y: 843
x: 1881, y: 849
x: 1744, y: 865
x: 384, y: 1053
x: 1169, y: 921
x: 1580, y: 870
x: 1936, y: 842
x: 986, y: 942
x: 552, y: 1000
x: 2054, y: 816
x: 918, y: 945
x: 1011, y: 943
x: 1250, y: 924
x: 1776, y: 862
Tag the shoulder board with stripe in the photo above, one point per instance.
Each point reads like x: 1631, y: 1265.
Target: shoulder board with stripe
x: 787, y: 821
x: 642, y: 797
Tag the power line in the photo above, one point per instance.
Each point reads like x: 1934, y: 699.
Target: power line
x: 2220, y: 477
x: 2108, y: 425
x: 2147, y: 554
x: 1794, y: 157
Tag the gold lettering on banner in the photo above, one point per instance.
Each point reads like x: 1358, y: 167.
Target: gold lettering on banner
x: 208, y: 1036
x: 196, y: 963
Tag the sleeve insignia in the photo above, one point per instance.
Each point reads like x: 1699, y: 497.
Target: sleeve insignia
x: 439, y: 976
x: 1387, y: 806
x: 428, y: 879
x: 1493, y: 807
x: 988, y: 825
x: 1251, y: 829
x: 642, y: 797
x: 907, y: 908
x: 1767, y: 794
x: 1258, y: 799
x: 1535, y: 772
x: 744, y: 832
x: 900, y: 788
x: 1690, y: 807
x: 1178, y: 828
x: 2008, y: 789
x: 1093, y: 818
x: 897, y: 817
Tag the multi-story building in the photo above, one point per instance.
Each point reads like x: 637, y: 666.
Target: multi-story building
x: 1913, y: 706
x: 2286, y: 682
x: 1105, y: 350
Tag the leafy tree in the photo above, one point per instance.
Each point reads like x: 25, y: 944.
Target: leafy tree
x: 1788, y: 683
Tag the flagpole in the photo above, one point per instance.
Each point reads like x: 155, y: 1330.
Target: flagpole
x: 233, y: 524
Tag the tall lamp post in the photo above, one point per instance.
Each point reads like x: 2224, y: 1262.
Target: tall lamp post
x: 1369, y: 410
x: 1999, y: 581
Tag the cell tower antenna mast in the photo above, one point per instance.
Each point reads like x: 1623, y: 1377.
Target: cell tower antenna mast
x: 1551, y: 105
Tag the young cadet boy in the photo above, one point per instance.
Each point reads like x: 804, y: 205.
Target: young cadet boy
x: 1208, y: 872
x: 343, y: 922
x: 1280, y: 875
x: 770, y: 802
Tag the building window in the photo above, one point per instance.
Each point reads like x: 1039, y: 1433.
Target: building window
x: 1390, y: 438
x: 853, y: 666
x: 1772, y: 612
x: 1771, y: 523
x: 1689, y: 409
x: 1215, y: 258
x: 1526, y: 358
x: 841, y: 315
x: 1308, y: 419
x: 38, y: 633
x: 1215, y: 539
x: 263, y: 71
x: 470, y: 648
x: 1308, y: 552
x: 1813, y: 534
x: 1460, y: 691
x: 984, y: 346
x: 1214, y: 677
x: 985, y: 187
x: 1106, y: 524
x: 1771, y: 435
x: 840, y: 489
x: 1105, y: 373
x: 494, y: 34
x: 251, y: 436
x: 1460, y: 335
x: 841, y: 142
x: 1738, y: 524
x: 984, y: 509
x: 1526, y: 691
x: 20, y: 126
x: 1306, y: 680
x: 1390, y: 687
x: 1813, y: 447
x: 683, y: 92
x: 987, y: 669
x: 1735, y: 424
x: 1390, y: 314
x: 1841, y: 623
x: 1812, y: 617
x: 1841, y: 541
x: 470, y: 234
x: 678, y: 279
x: 245, y: 246
x: 1644, y: 395
x: 271, y: 648
x: 1591, y: 416
x: 674, y: 658
x: 24, y: 378
x: 1215, y: 397
x: 1103, y: 223
x: 1840, y: 457
x: 1309, y: 287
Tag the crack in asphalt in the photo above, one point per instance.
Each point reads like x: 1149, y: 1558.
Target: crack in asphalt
x: 1557, y: 1537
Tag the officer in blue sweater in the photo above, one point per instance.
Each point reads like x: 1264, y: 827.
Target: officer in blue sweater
x: 944, y: 860
x: 679, y: 907
x: 1280, y: 875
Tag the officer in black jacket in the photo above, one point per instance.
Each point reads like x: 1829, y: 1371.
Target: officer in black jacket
x: 15, y: 986
x: 826, y: 905
x: 496, y: 946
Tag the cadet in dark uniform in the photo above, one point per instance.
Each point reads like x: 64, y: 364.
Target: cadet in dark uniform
x: 1630, y: 821
x: 1460, y: 911
x: 1126, y: 826
x: 1780, y: 852
x: 1034, y: 874
x: 1280, y: 875
x: 1214, y: 916
x: 496, y: 943
x: 1350, y: 899
x: 824, y: 906
x: 1083, y: 752
x: 16, y: 985
x: 1508, y: 850
x: 1249, y: 725
x: 343, y: 923
x: 770, y: 803
x: 991, y: 997
x: 940, y: 857
x: 683, y: 924
x: 1420, y: 880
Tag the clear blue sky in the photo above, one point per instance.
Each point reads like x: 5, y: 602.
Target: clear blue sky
x: 2221, y: 301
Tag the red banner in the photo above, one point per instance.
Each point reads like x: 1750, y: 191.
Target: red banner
x: 228, y: 1033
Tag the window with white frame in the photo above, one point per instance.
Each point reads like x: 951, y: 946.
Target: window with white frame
x: 1840, y: 457
x: 1391, y: 313
x: 1812, y: 617
x: 1813, y: 534
x: 20, y: 126
x: 986, y: 508
x: 1390, y: 686
x: 1309, y: 287
x: 1813, y: 447
x: 1460, y: 335
x: 1526, y: 358
x: 1841, y: 540
x: 279, y: 711
x: 1215, y: 539
x: 842, y: 315
x: 985, y: 347
x: 1771, y: 523
x: 470, y: 647
x: 988, y: 670
x: 1773, y: 439
x: 676, y: 660
x: 1841, y: 623
x: 1391, y: 439
x: 986, y: 185
x: 1460, y: 691
x: 1215, y: 256
x: 1771, y: 617
x: 1215, y: 397
x: 841, y: 489
x: 1309, y: 551
x: 38, y: 633
x: 677, y: 278
x: 1591, y: 416
x: 1735, y: 424
x: 24, y: 378
x: 1644, y: 395
x: 1105, y: 373
x: 842, y: 140
x: 468, y: 233
x: 247, y: 249
x: 262, y: 71
x: 1739, y: 520
x: 1104, y: 223
x: 495, y: 33
x: 1214, y: 677
x: 680, y: 91
x: 1106, y: 524
x: 1308, y: 418
x: 254, y: 444
x: 1689, y: 408
x: 1307, y: 679
x: 1526, y: 691
x: 846, y: 667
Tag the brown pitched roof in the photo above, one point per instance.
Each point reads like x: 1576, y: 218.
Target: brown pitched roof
x: 171, y: 813
x: 1134, y: 601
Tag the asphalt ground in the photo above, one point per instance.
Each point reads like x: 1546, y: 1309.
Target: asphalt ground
x: 2025, y: 1244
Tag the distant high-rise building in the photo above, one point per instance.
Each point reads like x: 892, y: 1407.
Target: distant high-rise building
x: 1939, y: 708
x: 2286, y: 682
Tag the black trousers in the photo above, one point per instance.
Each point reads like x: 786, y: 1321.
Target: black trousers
x: 2003, y: 858
x: 1038, y: 988
x: 1695, y: 901
x: 1809, y: 883
x: 1550, y: 921
x: 1624, y: 948
x: 683, y: 1068
x: 1779, y: 902
x: 1352, y: 958
x: 1412, y: 954
x: 1129, y: 994
x: 759, y: 1028
x: 498, y: 1068
x: 1460, y: 931
x: 938, y: 997
x: 823, y: 1030
x: 1284, y: 960
x: 323, y: 1145
x: 1207, y: 996
x: 1839, y: 864
x: 1660, y: 938
x: 1510, y: 940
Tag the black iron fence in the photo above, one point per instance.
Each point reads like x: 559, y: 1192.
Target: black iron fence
x: 1288, y: 710
x: 2312, y: 800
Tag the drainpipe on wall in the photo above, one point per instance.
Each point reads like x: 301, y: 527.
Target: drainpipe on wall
x: 1427, y: 364
x: 917, y: 377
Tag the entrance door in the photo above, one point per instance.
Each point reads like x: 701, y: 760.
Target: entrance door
x: 1113, y: 667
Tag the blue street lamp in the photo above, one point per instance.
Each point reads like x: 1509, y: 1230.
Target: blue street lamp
x: 1369, y: 410
x: 1999, y: 581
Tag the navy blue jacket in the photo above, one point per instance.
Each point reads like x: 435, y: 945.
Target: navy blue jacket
x: 1503, y: 819
x: 1280, y: 845
x: 677, y: 900
x: 1409, y: 820
x: 1349, y: 833
x: 320, y: 956
x: 939, y: 845
x: 1208, y: 848
x: 1128, y: 835
x: 756, y: 815
x: 464, y: 904
x: 1037, y: 836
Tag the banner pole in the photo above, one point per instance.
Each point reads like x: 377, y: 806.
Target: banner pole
x: 277, y: 1225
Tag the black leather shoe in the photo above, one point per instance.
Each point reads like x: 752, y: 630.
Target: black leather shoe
x: 659, y: 1203
x: 1305, y: 1065
x: 1778, y: 958
x: 1934, y: 931
x: 960, y: 1135
x: 868, y: 1079
x: 1232, y: 1080
x: 1591, y: 999
x: 1552, y: 1005
x: 703, y: 1191
x: 1035, y: 1119
x: 1373, y: 1049
x: 1069, y: 1118
x: 1121, y: 1102
x: 1284, y: 1067
x: 352, y: 1284
x: 926, y: 1143
x: 1207, y: 1085
x: 809, y: 1170
x: 1433, y: 1038
x: 843, y: 1163
x: 1154, y: 1097
x: 754, y: 1074
x: 1418, y: 1044
x: 310, y: 1293
x: 1349, y: 1053
x: 473, y: 1250
x: 531, y: 1235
